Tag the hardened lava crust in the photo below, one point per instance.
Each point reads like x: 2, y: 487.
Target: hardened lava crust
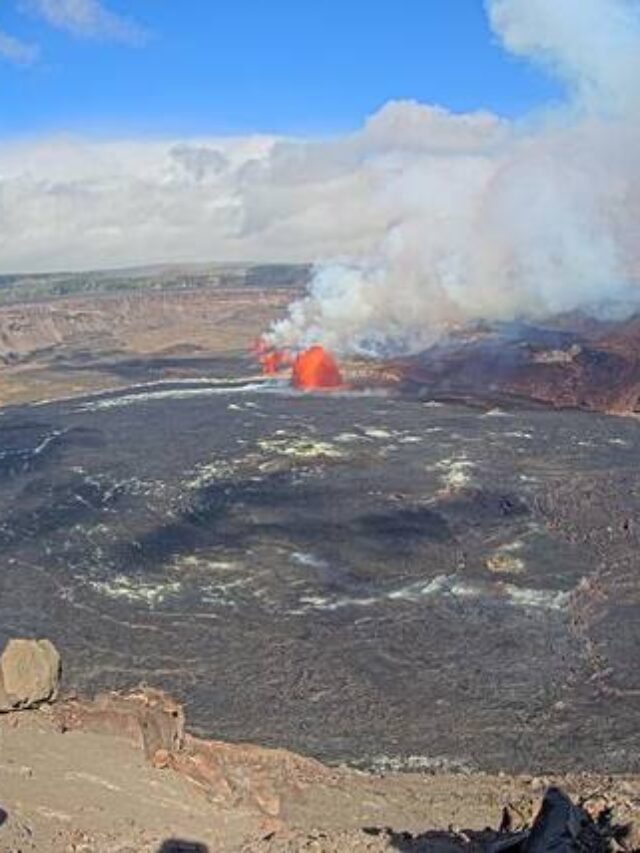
x: 368, y: 577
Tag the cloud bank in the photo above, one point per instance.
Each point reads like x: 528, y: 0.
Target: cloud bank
x: 420, y: 220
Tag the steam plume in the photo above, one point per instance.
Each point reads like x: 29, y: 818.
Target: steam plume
x: 463, y: 217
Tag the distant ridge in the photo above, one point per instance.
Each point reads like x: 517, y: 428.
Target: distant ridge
x: 29, y: 287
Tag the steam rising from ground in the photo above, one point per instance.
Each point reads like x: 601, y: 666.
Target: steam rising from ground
x: 488, y: 219
x: 436, y: 219
x: 491, y: 220
x: 531, y: 226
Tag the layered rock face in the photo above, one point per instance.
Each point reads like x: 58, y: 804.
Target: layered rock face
x: 148, y: 718
x: 595, y: 368
x: 79, y: 345
x: 231, y: 774
x: 147, y: 321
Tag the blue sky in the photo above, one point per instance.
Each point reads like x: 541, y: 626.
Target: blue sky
x: 198, y: 67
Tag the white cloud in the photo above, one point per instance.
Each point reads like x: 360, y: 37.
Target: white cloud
x: 15, y: 50
x: 72, y: 203
x: 88, y: 19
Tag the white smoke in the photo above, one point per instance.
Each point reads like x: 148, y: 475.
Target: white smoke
x: 471, y: 217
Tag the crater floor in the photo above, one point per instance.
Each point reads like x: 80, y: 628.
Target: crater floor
x: 363, y: 578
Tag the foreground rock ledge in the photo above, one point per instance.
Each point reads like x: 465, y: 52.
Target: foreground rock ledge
x: 120, y: 773
x: 228, y: 774
x: 74, y: 776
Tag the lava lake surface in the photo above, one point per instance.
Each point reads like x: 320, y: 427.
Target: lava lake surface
x: 364, y: 578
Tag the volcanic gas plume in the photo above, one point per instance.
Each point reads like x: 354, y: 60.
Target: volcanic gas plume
x: 461, y: 218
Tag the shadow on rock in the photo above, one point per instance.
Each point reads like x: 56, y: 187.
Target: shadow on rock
x: 3, y: 817
x: 560, y: 826
x: 178, y: 845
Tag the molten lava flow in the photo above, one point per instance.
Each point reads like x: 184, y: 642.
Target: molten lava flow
x: 316, y: 368
x: 271, y: 360
x: 313, y: 368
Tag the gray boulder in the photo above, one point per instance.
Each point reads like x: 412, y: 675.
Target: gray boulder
x: 29, y: 674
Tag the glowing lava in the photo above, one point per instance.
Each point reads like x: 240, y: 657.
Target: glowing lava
x: 316, y: 368
x: 271, y: 360
x: 311, y: 369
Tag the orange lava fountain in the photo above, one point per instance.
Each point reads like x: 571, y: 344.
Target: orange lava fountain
x: 271, y: 360
x: 316, y: 368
